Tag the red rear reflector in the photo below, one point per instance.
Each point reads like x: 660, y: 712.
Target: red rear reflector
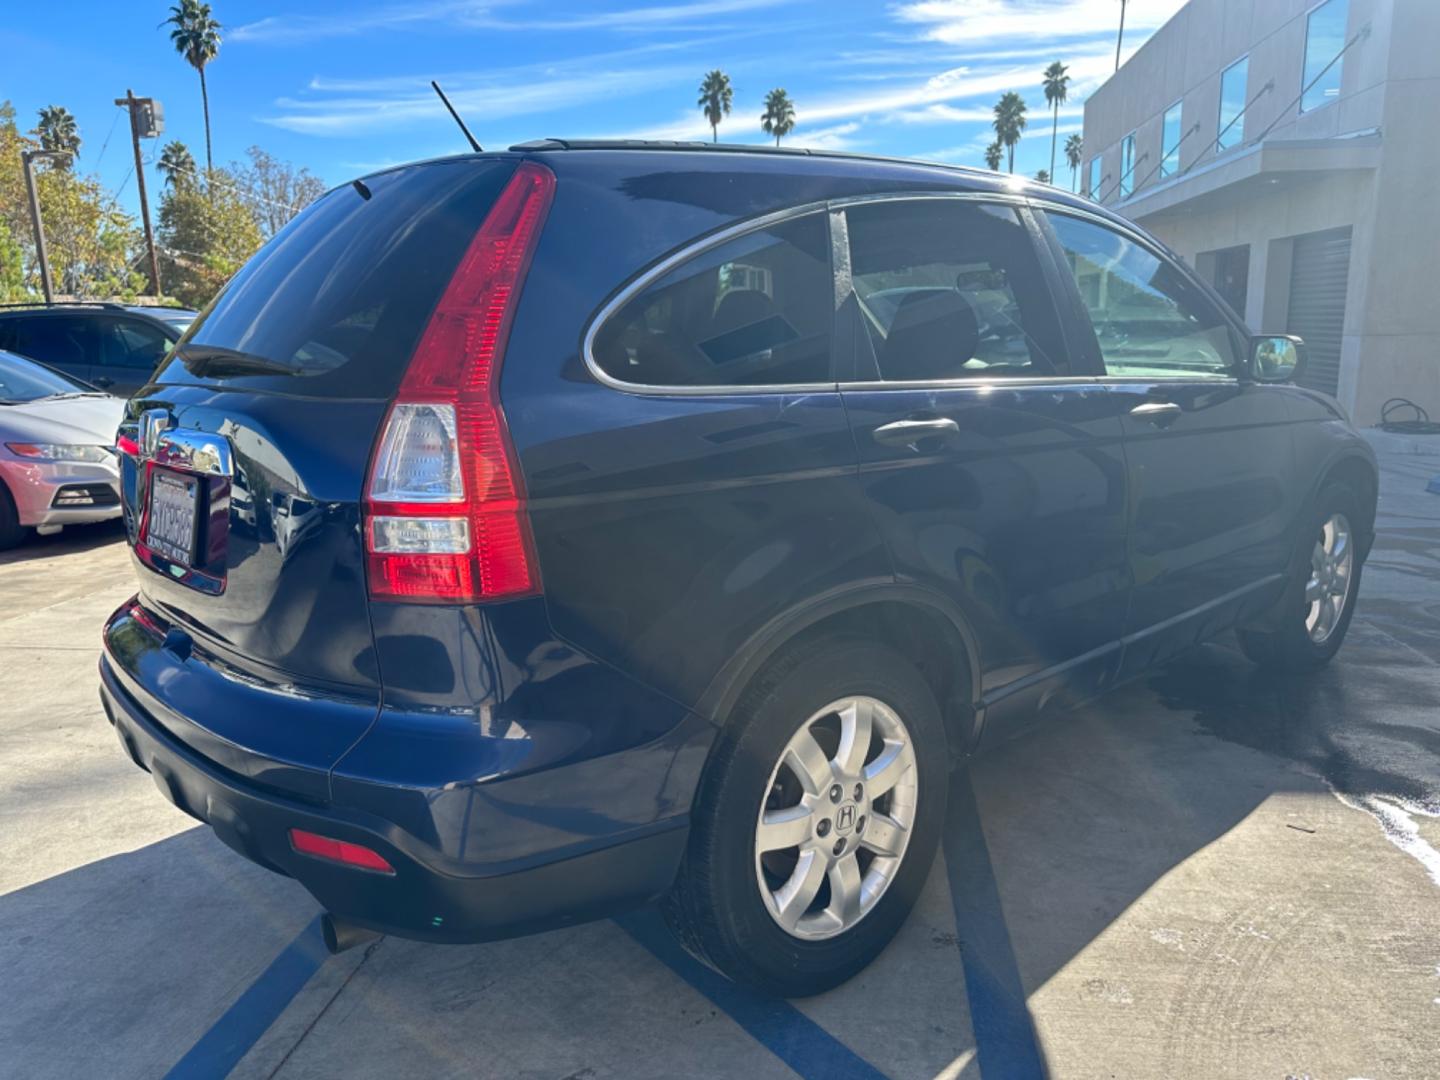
x: 338, y: 851
x: 445, y: 504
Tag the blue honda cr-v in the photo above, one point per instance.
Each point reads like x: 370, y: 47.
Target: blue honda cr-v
x: 526, y: 536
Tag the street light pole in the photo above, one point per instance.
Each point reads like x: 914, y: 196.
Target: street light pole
x: 27, y: 161
x: 144, y: 113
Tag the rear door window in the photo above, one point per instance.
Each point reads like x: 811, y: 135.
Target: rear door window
x: 335, y: 303
x: 59, y: 340
x: 949, y: 289
x: 753, y: 311
x: 131, y: 344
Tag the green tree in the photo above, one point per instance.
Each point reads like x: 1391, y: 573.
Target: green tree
x: 93, y: 245
x: 206, y: 233
x: 275, y: 190
x: 12, y: 268
x: 1074, y: 152
x: 57, y: 131
x: 1043, y: 176
x: 1057, y: 87
x: 1009, y: 122
x: 779, y: 116
x: 716, y: 97
x: 177, y: 164
x: 196, y: 36
x: 994, y: 155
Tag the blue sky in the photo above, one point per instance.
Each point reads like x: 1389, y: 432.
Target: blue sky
x: 343, y: 87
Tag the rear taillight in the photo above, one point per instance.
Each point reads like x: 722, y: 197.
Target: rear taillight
x: 445, y: 505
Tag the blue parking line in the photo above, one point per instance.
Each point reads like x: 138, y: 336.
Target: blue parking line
x: 1005, y: 1041
x: 230, y: 1038
x: 777, y: 1025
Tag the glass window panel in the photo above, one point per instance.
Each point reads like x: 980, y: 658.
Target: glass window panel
x: 1324, y: 38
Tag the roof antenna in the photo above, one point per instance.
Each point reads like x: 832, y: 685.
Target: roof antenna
x: 470, y: 138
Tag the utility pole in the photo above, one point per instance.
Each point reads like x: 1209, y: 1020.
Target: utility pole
x: 147, y: 120
x: 27, y: 161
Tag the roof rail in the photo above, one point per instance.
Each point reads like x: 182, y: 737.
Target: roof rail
x: 64, y: 303
x: 542, y: 145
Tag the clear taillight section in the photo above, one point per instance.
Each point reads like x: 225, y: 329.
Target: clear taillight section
x: 445, y: 506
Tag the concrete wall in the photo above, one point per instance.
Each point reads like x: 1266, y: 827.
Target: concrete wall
x: 1391, y: 83
x: 1185, y: 59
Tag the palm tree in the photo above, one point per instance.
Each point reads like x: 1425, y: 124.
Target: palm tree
x: 1057, y: 84
x: 1043, y: 176
x: 57, y: 131
x: 994, y: 154
x: 1009, y: 122
x: 1120, y: 36
x: 1074, y: 152
x: 196, y: 37
x: 779, y: 116
x: 176, y: 164
x: 715, y: 99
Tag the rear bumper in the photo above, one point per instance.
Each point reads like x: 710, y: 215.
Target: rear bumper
x: 419, y: 900
x: 512, y: 853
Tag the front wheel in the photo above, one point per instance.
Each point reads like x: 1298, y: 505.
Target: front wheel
x: 11, y: 531
x: 1320, y: 597
x: 817, y: 822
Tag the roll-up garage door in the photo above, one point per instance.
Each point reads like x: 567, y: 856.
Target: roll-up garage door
x: 1318, y: 273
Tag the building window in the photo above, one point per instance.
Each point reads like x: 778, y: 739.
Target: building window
x: 1095, y: 179
x: 1170, y: 142
x: 1324, y: 38
x: 1232, y: 105
x: 1127, y: 165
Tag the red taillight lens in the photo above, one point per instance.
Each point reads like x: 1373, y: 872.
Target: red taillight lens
x: 126, y: 445
x: 445, y: 505
x: 338, y: 851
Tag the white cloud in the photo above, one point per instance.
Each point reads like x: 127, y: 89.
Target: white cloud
x: 973, y: 22
x: 481, y: 104
x: 483, y: 14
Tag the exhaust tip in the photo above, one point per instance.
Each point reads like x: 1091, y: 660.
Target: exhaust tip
x: 341, y: 935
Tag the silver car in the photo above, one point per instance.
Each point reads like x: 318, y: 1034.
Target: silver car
x: 57, y: 450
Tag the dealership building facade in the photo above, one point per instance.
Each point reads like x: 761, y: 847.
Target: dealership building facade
x: 1290, y: 151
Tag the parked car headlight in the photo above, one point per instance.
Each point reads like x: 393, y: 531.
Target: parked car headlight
x: 60, y: 451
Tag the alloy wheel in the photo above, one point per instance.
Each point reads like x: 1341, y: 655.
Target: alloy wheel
x: 836, y: 818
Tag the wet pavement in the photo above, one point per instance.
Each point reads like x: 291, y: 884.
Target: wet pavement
x: 1209, y: 873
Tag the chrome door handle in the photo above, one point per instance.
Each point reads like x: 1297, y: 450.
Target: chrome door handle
x: 1159, y: 413
x: 909, y: 432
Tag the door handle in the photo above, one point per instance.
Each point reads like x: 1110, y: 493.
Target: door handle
x: 1160, y: 413
x: 910, y: 432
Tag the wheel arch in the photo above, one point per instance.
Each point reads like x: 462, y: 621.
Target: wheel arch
x: 917, y: 622
x: 1359, y: 473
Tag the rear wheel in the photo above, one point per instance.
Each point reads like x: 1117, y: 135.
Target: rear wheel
x: 11, y: 531
x: 818, y: 819
x: 1320, y: 598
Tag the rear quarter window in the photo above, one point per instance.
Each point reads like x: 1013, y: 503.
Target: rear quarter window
x: 335, y: 303
x: 755, y: 310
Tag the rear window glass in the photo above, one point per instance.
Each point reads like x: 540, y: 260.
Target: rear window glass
x: 334, y: 304
x: 753, y: 311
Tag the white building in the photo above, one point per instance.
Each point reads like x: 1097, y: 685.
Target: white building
x: 1290, y: 151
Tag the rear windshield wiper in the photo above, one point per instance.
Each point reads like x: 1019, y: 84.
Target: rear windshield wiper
x: 218, y: 360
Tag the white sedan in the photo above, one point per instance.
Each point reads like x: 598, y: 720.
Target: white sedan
x: 57, y: 451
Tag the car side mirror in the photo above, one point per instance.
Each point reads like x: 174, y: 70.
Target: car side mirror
x: 1276, y: 358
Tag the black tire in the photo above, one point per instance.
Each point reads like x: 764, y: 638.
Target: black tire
x: 716, y: 907
x: 11, y: 531
x: 1288, y: 646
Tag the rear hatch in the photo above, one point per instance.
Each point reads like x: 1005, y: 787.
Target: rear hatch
x: 250, y: 450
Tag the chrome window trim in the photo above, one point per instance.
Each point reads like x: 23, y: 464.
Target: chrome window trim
x: 722, y: 236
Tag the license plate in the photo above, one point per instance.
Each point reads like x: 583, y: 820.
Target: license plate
x: 170, y: 525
